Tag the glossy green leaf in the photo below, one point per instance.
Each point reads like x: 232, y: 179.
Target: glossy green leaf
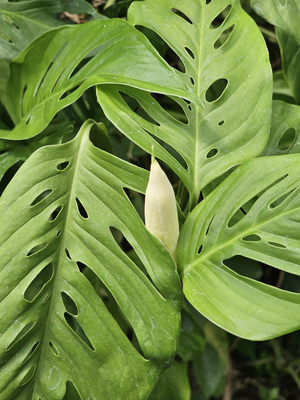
x: 285, y: 130
x: 290, y: 53
x: 43, y: 82
x: 267, y: 232
x: 231, y: 78
x: 57, y: 338
x: 281, y: 13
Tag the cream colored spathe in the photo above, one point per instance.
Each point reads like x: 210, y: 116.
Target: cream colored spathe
x: 161, y: 216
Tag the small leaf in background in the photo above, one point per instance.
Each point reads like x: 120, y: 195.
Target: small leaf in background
x: 290, y: 53
x: 192, y: 337
x: 285, y: 130
x: 173, y: 384
x: 281, y: 13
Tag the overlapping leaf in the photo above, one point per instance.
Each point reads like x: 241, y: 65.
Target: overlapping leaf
x: 290, y: 53
x: 218, y: 44
x: 285, y: 130
x: 281, y: 13
x: 49, y: 74
x: 57, y: 336
x: 22, y: 22
x: 268, y: 231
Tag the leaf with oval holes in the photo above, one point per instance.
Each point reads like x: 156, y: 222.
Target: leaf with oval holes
x: 281, y: 13
x: 285, y: 130
x: 14, y: 152
x: 267, y: 190
x: 44, y: 82
x: 226, y: 64
x: 57, y: 337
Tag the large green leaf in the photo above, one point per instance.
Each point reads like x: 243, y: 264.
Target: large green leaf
x: 281, y: 13
x: 290, y: 53
x: 267, y: 231
x: 56, y: 334
x: 232, y: 126
x: 285, y: 130
x: 43, y: 82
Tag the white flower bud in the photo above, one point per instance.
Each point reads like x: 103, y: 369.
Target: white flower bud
x: 161, y: 218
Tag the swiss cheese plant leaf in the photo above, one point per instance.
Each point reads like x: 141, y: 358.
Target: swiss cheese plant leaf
x: 285, y: 130
x: 281, y: 13
x: 268, y: 231
x: 226, y: 65
x: 58, y: 339
x: 13, y: 152
x: 52, y: 73
x: 22, y: 22
x: 290, y: 53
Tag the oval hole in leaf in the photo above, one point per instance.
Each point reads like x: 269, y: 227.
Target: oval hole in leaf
x: 71, y: 392
x: 236, y: 217
x: 220, y: 18
x: 82, y: 211
x: 251, y: 238
x: 21, y: 334
x: 221, y: 123
x: 63, y: 166
x: 137, y: 108
x: 105, y: 295
x: 209, y: 225
x: 281, y: 246
x: 281, y: 199
x: 208, y: 2
x: 39, y: 86
x: 282, y: 3
x: 69, y: 304
x: 287, y: 139
x: 173, y: 107
x: 182, y: 15
x: 55, y: 214
x: 30, y: 353
x: 53, y: 348
x: 9, y: 174
x: 200, y: 249
x: 216, y: 89
x: 190, y: 53
x: 173, y: 59
x: 28, y: 376
x: 245, y: 266
x: 69, y: 92
x: 68, y: 254
x: 223, y: 38
x: 76, y: 327
x: 36, y: 248
x: 39, y: 282
x: 41, y: 197
x: 212, y: 153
